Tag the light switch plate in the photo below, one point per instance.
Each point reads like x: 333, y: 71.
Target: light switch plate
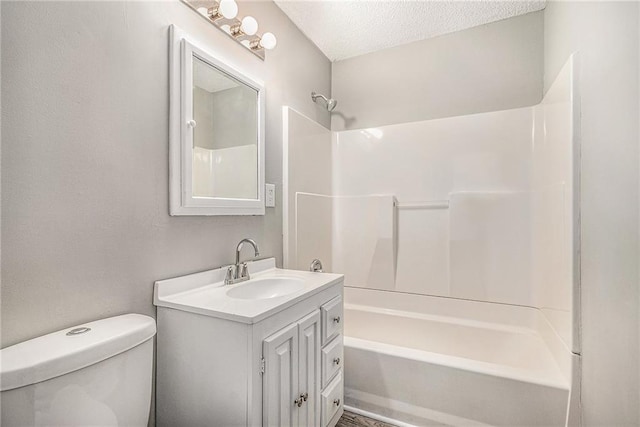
x: 271, y: 195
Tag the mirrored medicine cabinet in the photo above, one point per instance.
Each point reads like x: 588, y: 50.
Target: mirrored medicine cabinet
x: 216, y: 133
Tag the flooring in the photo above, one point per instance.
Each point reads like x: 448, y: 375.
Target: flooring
x: 349, y: 419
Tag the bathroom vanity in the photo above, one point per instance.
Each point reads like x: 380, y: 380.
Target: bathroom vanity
x: 268, y: 351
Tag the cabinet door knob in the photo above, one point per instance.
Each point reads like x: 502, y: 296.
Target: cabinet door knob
x: 336, y: 360
x: 191, y: 123
x: 336, y: 402
x: 303, y: 398
x: 336, y: 319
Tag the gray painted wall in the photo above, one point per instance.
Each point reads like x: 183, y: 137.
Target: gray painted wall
x: 492, y: 67
x: 85, y: 223
x: 606, y: 36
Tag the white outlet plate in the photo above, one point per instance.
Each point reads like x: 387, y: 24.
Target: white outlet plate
x: 270, y: 199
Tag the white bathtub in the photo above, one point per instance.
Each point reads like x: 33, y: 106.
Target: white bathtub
x: 431, y: 361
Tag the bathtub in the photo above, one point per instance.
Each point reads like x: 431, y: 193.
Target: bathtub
x: 419, y: 360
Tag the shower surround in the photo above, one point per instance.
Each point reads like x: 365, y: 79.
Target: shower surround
x: 457, y: 240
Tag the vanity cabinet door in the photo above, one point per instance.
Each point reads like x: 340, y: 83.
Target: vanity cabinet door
x: 309, y: 369
x: 291, y: 381
x: 280, y: 380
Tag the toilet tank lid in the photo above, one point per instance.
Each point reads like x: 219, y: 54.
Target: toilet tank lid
x: 74, y: 348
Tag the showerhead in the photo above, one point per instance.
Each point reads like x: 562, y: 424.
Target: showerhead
x: 330, y: 103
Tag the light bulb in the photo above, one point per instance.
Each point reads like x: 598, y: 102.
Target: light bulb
x: 228, y: 8
x: 249, y: 25
x: 204, y: 11
x: 268, y: 41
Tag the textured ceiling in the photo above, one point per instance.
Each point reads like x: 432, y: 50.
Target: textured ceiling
x: 346, y: 28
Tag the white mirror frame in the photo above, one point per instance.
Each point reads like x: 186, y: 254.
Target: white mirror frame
x: 181, y: 199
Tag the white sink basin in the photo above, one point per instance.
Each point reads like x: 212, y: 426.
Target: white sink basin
x: 270, y: 291
x: 269, y: 287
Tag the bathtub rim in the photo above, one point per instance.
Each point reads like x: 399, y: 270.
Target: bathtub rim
x: 495, y: 316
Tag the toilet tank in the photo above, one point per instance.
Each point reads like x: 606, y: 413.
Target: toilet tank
x: 99, y: 373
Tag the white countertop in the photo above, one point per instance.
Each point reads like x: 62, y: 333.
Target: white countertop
x: 205, y: 293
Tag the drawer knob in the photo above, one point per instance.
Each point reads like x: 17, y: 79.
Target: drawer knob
x: 336, y: 360
x: 336, y: 402
x: 336, y: 319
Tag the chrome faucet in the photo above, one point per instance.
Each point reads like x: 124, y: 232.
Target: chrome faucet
x: 240, y: 272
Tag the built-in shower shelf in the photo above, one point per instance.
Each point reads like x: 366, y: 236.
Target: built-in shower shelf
x: 433, y: 204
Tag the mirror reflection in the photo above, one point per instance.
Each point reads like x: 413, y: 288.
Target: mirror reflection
x: 225, y: 152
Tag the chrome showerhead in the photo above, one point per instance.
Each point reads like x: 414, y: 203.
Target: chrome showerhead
x: 330, y: 103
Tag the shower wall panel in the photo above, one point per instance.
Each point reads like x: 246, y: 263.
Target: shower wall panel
x: 313, y: 229
x: 552, y: 202
x: 307, y: 168
x: 427, y: 160
x: 427, y: 164
x: 489, y: 247
x: 364, y: 240
x: 475, y: 207
x: 423, y: 256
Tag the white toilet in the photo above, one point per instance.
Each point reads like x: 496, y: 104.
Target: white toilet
x: 97, y: 374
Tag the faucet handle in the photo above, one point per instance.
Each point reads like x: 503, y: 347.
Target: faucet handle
x: 316, y: 266
x: 244, y: 271
x: 228, y: 279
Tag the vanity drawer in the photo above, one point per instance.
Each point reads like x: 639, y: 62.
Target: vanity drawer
x: 332, y: 359
x: 331, y: 319
x: 332, y: 398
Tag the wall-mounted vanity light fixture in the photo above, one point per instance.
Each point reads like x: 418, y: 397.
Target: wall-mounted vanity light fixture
x: 224, y: 15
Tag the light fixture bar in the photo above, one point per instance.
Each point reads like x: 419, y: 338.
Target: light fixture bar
x: 223, y: 14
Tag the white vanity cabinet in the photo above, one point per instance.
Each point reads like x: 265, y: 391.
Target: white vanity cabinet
x: 298, y: 368
x: 275, y: 369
